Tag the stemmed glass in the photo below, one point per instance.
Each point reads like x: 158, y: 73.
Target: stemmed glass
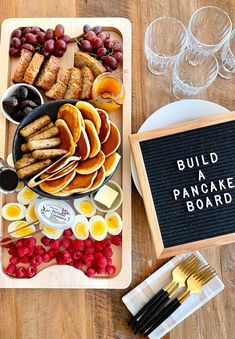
x: 165, y: 38
x: 227, y: 65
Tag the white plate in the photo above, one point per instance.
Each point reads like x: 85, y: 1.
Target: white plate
x: 175, y: 113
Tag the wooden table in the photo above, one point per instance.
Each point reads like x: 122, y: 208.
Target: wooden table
x: 54, y: 314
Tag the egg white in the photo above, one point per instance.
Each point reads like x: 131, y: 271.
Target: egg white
x: 22, y: 197
x: 45, y: 231
x: 81, y: 219
x: 10, y: 160
x: 77, y: 205
x: 114, y: 231
x: 28, y: 217
x: 21, y: 215
x: 13, y: 227
x: 91, y: 223
x: 20, y: 186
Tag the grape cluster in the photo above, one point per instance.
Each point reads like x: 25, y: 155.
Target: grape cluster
x: 51, y: 42
x: 98, y: 44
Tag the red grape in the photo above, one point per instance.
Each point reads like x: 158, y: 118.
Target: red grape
x: 111, y: 61
x: 86, y: 46
x: 108, y: 69
x: 28, y: 47
x: 26, y: 30
x: 97, y: 29
x: 16, y: 42
x: 90, y: 35
x: 102, y: 51
x: 49, y: 34
x: 31, y: 39
x: 86, y: 28
x: 46, y: 54
x: 35, y: 30
x: 118, y: 56
x: 66, y: 38
x: 49, y: 46
x: 58, y: 53
x: 23, y: 40
x: 108, y: 43
x: 41, y: 37
x: 14, y: 51
x: 103, y: 35
x: 117, y: 46
x: 17, y: 33
x: 59, y: 30
x: 60, y: 44
x: 97, y: 43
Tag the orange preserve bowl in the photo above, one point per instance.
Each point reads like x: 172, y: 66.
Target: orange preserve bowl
x: 107, y: 85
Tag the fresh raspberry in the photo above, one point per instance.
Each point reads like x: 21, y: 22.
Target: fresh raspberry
x: 20, y: 272
x: 98, y: 246
x: 71, y: 251
x: 52, y: 253
x: 116, y: 240
x: 45, y: 241
x: 14, y: 260
x: 30, y: 242
x: 106, y: 243
x: 60, y: 259
x: 90, y: 272
x: 97, y: 255
x: 88, y: 242
x: 107, y: 252
x: 10, y: 270
x: 67, y: 233
x: 19, y: 243
x: 22, y: 251
x: 67, y: 256
x: 46, y: 257
x: 77, y: 255
x: 110, y: 270
x: 77, y: 244
x: 78, y: 264
x: 55, y: 244
x: 13, y: 251
x: 39, y: 250
x: 87, y: 259
x: 31, y: 271
x: 89, y: 250
x: 65, y: 242
x: 109, y: 261
x: 101, y: 270
x: 30, y: 252
x: 35, y: 261
x: 24, y: 259
x: 101, y: 262
x: 7, y: 245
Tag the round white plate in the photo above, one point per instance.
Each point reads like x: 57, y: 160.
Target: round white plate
x: 175, y: 113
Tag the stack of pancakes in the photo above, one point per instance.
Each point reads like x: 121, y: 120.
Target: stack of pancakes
x: 92, y: 141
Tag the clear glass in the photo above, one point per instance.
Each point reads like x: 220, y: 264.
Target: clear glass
x: 165, y: 38
x: 208, y: 29
x: 193, y: 73
x: 227, y: 63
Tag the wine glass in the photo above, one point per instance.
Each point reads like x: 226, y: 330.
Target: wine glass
x: 209, y: 27
x: 227, y: 64
x: 193, y: 73
x: 165, y: 38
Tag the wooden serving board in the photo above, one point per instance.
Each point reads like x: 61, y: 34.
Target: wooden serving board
x: 62, y: 276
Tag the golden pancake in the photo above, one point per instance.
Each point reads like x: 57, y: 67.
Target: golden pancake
x: 62, y: 163
x: 61, y: 173
x: 72, y: 116
x: 111, y: 163
x: 89, y: 112
x: 105, y: 125
x: 67, y: 142
x: 113, y: 142
x: 62, y: 194
x: 93, y: 138
x: 91, y: 165
x: 57, y: 185
x: 80, y: 183
x: 99, y: 179
x: 83, y: 146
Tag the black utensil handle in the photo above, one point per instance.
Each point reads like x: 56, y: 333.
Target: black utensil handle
x: 151, y: 314
x: 145, y: 308
x: 169, y: 309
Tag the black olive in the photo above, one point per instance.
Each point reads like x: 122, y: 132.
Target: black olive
x: 34, y: 97
x: 10, y: 105
x: 18, y: 116
x: 27, y: 111
x: 28, y: 103
x: 23, y: 92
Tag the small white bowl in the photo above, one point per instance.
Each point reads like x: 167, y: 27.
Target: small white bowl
x: 117, y: 202
x: 11, y: 91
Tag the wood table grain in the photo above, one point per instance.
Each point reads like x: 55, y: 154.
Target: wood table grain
x: 68, y: 314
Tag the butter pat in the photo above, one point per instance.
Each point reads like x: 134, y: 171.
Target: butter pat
x: 106, y: 196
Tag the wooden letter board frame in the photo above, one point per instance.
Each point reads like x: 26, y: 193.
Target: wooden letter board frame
x: 151, y: 212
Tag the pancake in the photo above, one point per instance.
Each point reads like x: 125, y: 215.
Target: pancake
x: 62, y: 194
x: 113, y: 142
x: 72, y: 116
x: 57, y: 185
x: 99, y: 179
x: 93, y: 138
x: 105, y: 125
x: 62, y: 163
x: 91, y: 165
x: 67, y: 142
x: 83, y: 146
x: 80, y: 183
x: 89, y: 112
x: 111, y: 163
x: 61, y: 173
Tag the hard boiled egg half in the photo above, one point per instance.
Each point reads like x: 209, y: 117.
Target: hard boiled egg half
x: 13, y: 211
x: 51, y: 232
x: 26, y: 195
x: 85, y: 206
x: 81, y: 227
x: 98, y: 228
x: 114, y: 223
x: 30, y: 215
x: 20, y: 230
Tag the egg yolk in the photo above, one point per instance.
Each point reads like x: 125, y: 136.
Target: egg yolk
x: 32, y: 213
x: 50, y: 230
x: 28, y: 194
x: 23, y: 232
x: 80, y: 229
x: 112, y: 222
x: 86, y: 207
x: 13, y: 211
x: 98, y: 228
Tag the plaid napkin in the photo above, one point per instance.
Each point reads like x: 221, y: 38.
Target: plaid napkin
x: 140, y: 295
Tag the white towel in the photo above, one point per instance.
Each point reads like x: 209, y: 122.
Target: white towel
x: 140, y: 295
